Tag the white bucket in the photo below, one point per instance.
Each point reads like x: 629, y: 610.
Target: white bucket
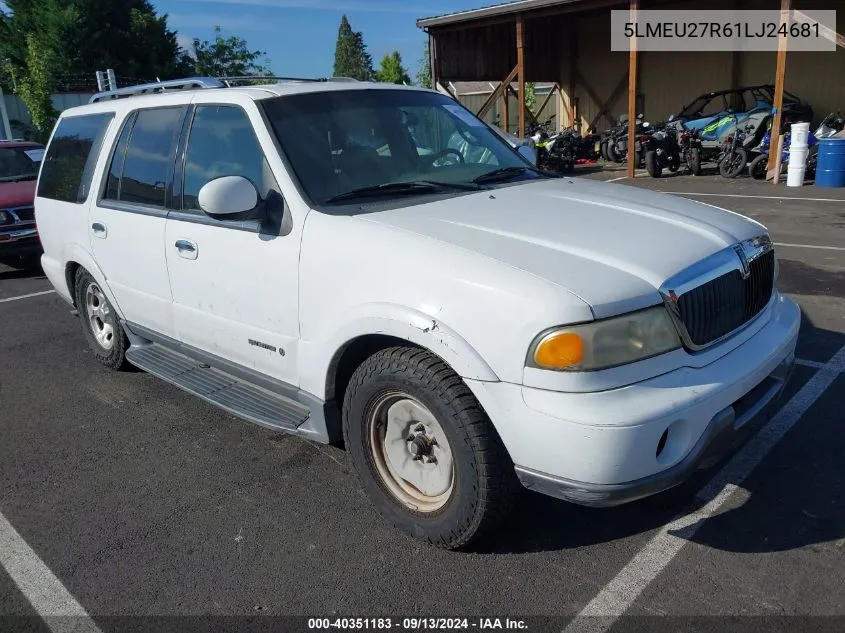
x: 800, y: 135
x: 796, y: 167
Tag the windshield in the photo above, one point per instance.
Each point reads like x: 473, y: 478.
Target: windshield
x: 19, y: 163
x: 345, y: 141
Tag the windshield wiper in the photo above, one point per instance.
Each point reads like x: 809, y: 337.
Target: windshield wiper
x: 502, y: 174
x: 409, y: 188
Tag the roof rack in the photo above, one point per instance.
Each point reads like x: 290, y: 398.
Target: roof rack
x: 198, y: 83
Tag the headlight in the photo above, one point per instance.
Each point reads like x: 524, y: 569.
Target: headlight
x: 608, y: 343
x: 4, y: 217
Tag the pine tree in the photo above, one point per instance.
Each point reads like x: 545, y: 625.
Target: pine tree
x: 351, y: 58
x: 392, y: 71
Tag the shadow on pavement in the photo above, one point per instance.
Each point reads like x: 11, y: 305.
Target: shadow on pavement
x: 797, y: 495
x: 799, y: 278
x: 19, y: 268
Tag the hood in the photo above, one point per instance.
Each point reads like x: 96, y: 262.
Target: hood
x: 17, y: 194
x: 611, y: 245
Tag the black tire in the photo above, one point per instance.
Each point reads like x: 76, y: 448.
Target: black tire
x: 112, y: 354
x: 693, y: 161
x: 757, y: 167
x: 484, y: 486
x: 611, y: 153
x: 674, y: 163
x: 732, y: 168
x: 603, y: 150
x: 654, y: 170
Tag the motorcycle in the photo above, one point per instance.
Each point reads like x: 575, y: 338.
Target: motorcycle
x: 689, y: 147
x: 733, y: 155
x: 832, y: 124
x: 616, y: 142
x: 661, y: 150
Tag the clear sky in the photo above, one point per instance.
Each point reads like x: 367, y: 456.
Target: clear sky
x: 299, y: 35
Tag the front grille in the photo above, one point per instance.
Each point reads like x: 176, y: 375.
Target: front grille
x: 726, y: 303
x: 25, y: 214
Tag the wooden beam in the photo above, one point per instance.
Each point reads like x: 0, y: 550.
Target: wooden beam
x: 520, y: 64
x: 528, y: 111
x: 780, y: 71
x: 596, y: 99
x: 501, y: 88
x: 605, y: 107
x: 825, y: 32
x: 632, y: 94
x: 547, y: 99
x: 506, y: 111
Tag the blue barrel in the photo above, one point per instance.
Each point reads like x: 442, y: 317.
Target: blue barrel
x: 830, y: 169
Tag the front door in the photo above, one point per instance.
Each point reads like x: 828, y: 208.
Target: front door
x: 234, y: 283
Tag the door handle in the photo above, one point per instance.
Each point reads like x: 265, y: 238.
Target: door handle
x: 99, y: 230
x: 186, y: 248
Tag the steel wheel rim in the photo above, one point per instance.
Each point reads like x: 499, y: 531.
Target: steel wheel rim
x: 96, y: 307
x: 398, y: 426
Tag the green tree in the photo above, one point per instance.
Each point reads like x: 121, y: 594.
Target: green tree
x: 392, y: 71
x: 530, y: 95
x: 351, y: 58
x: 424, y: 73
x: 228, y: 57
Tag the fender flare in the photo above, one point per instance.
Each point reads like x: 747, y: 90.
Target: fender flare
x: 76, y: 253
x: 404, y: 323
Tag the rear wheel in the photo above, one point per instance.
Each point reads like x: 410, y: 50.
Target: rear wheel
x: 100, y: 324
x: 426, y: 454
x: 652, y: 167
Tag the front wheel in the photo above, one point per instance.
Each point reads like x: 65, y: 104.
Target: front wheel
x: 732, y: 164
x: 100, y: 324
x: 757, y: 167
x: 426, y: 454
x: 693, y: 161
x: 652, y: 167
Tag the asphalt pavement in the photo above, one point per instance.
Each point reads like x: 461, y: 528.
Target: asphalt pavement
x: 144, y: 501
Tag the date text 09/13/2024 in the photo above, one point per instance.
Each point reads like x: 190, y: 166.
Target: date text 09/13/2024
x: 416, y: 624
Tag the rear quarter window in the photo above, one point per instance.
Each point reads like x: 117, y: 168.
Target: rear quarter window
x: 68, y: 166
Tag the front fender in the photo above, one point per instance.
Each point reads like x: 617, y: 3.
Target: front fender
x: 318, y: 359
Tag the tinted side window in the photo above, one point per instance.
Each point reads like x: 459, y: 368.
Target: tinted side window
x: 149, y: 156
x: 70, y: 158
x: 116, y: 169
x: 223, y: 143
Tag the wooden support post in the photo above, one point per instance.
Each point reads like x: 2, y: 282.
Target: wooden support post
x: 632, y: 95
x: 506, y: 112
x: 500, y: 89
x: 573, y: 71
x: 780, y: 71
x: 778, y: 159
x: 520, y: 64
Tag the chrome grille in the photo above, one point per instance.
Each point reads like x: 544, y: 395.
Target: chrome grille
x: 25, y: 214
x: 726, y: 303
x: 718, y: 296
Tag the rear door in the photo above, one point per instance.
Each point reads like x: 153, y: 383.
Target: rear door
x: 127, y: 223
x: 235, y: 283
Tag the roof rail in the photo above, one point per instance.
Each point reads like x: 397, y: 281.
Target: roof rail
x: 198, y: 83
x: 157, y: 87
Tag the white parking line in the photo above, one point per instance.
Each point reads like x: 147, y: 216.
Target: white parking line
x: 741, y: 195
x: 615, y: 179
x: 31, y: 294
x: 822, y: 248
x: 621, y: 592
x: 53, y: 603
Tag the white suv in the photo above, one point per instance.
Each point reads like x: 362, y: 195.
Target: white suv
x: 372, y: 264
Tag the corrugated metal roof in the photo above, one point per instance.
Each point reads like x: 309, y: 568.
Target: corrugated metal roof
x: 491, y: 11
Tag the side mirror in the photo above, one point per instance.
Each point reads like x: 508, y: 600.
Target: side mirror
x: 230, y: 198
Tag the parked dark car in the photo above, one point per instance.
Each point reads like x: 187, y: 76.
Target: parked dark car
x: 19, y: 164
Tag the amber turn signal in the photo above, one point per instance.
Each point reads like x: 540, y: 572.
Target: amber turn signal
x: 560, y: 350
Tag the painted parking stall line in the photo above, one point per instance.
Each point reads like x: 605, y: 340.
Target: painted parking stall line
x: 28, y: 296
x: 745, y: 195
x: 622, y: 591
x: 47, y: 595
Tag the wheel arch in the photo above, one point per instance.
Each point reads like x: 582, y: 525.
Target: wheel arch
x: 76, y: 258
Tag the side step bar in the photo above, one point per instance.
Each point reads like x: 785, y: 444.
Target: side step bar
x: 242, y: 399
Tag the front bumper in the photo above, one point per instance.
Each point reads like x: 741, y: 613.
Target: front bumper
x: 19, y: 241
x: 728, y: 429
x: 610, y: 447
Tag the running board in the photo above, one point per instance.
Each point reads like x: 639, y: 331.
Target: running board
x: 242, y: 399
